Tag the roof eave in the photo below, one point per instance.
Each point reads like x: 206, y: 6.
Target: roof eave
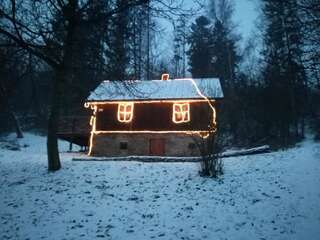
x: 155, y: 100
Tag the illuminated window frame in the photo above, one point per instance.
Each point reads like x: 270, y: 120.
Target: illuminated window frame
x: 181, y: 113
x: 125, y: 112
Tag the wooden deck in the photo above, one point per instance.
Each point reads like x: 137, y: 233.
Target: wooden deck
x: 75, y: 129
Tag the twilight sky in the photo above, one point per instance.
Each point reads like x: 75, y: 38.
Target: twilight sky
x: 245, y: 17
x: 246, y: 14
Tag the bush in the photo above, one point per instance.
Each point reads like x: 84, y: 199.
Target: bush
x: 211, y: 162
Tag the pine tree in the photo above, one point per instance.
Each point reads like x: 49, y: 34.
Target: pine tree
x: 284, y: 73
x: 225, y: 58
x: 224, y: 64
x: 86, y: 62
x: 199, y: 53
x: 180, y: 42
x: 309, y: 14
x: 224, y: 50
x: 130, y: 44
x: 118, y: 46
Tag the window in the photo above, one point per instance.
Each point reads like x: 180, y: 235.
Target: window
x: 125, y: 112
x: 181, y: 112
x: 123, y: 145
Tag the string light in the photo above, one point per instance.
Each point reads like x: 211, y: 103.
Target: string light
x: 128, y: 111
x: 93, y: 126
x: 147, y: 101
x: 207, y: 99
x: 165, y: 77
x: 125, y: 112
x: 181, y: 113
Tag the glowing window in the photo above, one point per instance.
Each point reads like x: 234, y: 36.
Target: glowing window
x: 181, y: 112
x: 125, y: 112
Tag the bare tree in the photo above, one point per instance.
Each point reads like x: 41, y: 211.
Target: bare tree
x: 29, y: 24
x: 10, y: 61
x: 208, y: 144
x: 5, y: 100
x: 210, y: 149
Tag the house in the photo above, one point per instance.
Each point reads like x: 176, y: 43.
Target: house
x: 156, y: 117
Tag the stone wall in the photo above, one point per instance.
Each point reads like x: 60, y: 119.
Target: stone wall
x: 138, y: 144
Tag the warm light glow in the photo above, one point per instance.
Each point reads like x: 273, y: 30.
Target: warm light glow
x: 125, y: 112
x: 86, y: 104
x: 93, y: 127
x: 149, y: 101
x: 199, y: 132
x: 209, y: 102
x: 181, y: 112
x: 165, y: 76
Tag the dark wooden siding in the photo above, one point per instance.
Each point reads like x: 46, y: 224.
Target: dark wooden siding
x: 154, y: 117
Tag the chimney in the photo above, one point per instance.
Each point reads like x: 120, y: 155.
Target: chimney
x: 165, y: 76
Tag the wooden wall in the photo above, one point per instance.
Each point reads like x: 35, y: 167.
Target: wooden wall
x: 154, y: 117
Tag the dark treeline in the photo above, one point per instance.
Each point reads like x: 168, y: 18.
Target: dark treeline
x: 53, y: 53
x: 109, y: 40
x: 278, y: 103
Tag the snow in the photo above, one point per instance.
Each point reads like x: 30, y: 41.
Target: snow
x: 157, y: 90
x: 228, y: 153
x: 267, y: 196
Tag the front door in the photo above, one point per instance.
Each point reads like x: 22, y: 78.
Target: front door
x: 157, y: 147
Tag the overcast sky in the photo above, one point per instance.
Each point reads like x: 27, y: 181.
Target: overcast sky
x: 245, y: 17
x: 246, y: 14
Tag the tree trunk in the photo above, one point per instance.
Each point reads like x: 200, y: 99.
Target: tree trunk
x: 52, y: 139
x: 4, y: 99
x: 148, y: 42
x: 16, y: 124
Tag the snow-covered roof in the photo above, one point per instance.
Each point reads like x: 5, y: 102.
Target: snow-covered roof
x: 129, y: 90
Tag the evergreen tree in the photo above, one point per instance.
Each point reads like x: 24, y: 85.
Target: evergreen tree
x: 225, y: 61
x: 309, y: 14
x: 86, y: 62
x: 225, y: 58
x: 284, y: 73
x: 180, y: 42
x: 138, y: 41
x: 199, y: 53
x: 129, y: 44
x: 118, y: 45
x: 224, y: 43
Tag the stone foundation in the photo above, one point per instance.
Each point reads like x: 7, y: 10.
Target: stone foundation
x: 138, y: 144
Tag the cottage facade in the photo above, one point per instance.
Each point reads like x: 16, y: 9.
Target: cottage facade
x: 157, y: 117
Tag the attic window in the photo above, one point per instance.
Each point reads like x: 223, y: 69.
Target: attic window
x: 125, y: 112
x: 181, y: 112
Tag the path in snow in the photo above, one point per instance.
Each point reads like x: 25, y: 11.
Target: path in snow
x: 269, y: 196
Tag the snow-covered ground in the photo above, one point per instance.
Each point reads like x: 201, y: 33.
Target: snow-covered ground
x: 268, y: 196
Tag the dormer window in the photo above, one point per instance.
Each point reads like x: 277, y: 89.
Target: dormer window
x: 181, y: 113
x: 125, y: 112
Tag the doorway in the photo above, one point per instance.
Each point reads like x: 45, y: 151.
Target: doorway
x: 157, y: 147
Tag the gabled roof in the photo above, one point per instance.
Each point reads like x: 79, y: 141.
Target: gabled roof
x: 129, y: 90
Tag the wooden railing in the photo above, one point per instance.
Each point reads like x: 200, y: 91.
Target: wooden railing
x: 74, y: 124
x: 75, y: 129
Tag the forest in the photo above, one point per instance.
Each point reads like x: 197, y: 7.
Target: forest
x: 245, y: 166
x: 53, y: 53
